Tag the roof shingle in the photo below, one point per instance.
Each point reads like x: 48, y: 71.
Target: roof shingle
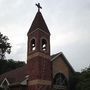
x: 16, y: 75
x: 39, y: 23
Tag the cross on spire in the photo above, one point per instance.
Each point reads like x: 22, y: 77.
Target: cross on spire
x: 39, y: 7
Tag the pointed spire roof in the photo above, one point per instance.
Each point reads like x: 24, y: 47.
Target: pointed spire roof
x: 39, y: 23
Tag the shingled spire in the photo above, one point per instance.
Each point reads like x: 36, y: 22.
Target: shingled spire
x: 39, y: 23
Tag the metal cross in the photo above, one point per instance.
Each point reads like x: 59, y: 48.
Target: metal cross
x: 39, y: 7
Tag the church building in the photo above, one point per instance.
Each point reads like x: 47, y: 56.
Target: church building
x: 43, y: 71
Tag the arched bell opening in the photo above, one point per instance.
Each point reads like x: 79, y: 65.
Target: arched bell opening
x: 44, y: 45
x: 33, y: 45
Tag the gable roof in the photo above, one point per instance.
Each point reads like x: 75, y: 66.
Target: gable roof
x: 16, y: 75
x: 39, y: 23
x: 53, y: 57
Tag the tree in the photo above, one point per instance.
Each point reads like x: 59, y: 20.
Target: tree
x: 8, y: 65
x: 5, y: 47
x: 84, y: 80
x: 73, y: 80
x: 80, y: 80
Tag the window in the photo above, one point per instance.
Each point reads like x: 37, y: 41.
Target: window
x: 60, y: 82
x: 33, y: 47
x: 44, y: 45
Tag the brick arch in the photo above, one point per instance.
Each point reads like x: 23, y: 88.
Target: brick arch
x: 60, y: 82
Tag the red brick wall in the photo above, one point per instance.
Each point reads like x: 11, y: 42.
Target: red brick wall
x: 38, y: 35
x: 39, y: 68
x: 60, y: 66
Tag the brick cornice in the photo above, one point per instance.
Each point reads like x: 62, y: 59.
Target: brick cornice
x: 39, y: 30
x: 38, y: 54
x: 40, y: 82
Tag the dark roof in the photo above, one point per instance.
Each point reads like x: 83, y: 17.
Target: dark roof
x: 39, y: 22
x: 16, y: 75
x: 54, y: 56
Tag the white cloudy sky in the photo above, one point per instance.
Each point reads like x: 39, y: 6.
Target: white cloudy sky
x: 67, y: 20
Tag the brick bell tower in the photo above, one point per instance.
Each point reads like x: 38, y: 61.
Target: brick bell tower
x: 38, y: 54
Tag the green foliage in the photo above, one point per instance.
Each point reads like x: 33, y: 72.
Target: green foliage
x: 84, y: 80
x: 80, y: 81
x: 4, y: 46
x: 7, y: 65
x: 74, y: 79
